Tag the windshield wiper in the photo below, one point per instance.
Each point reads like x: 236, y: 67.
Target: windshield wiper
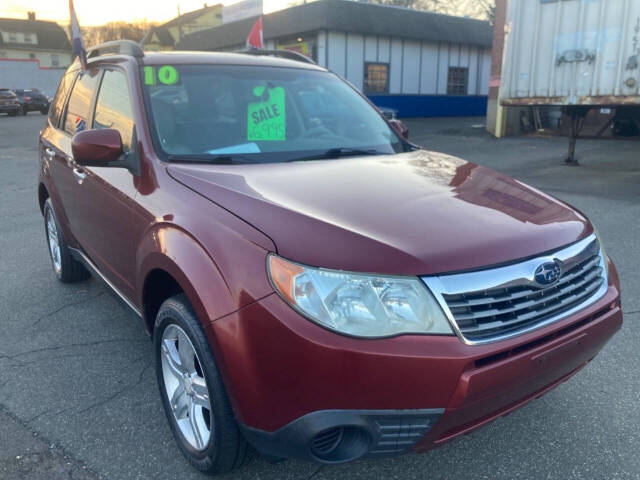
x: 340, y: 152
x: 204, y: 158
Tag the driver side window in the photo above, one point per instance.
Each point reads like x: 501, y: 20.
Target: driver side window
x: 113, y: 107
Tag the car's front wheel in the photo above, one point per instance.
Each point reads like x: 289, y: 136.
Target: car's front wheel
x: 193, y: 395
x: 66, y: 268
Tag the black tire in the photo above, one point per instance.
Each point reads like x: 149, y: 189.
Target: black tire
x: 13, y: 113
x: 24, y: 111
x: 44, y: 111
x: 226, y: 448
x: 69, y: 270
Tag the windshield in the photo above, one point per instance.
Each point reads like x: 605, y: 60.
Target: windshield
x: 260, y: 114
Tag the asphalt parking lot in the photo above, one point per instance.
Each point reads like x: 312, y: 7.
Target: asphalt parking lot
x: 78, y: 397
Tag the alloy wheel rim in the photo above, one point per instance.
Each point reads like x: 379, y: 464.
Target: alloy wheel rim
x: 186, y: 387
x: 54, y: 245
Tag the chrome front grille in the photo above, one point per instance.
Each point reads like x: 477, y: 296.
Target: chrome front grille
x: 494, y: 304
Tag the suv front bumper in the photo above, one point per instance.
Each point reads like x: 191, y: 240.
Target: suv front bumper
x: 291, y: 382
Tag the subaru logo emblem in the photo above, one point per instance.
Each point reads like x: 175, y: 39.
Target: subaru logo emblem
x: 547, y: 274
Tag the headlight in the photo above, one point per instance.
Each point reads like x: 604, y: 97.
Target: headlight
x: 358, y: 304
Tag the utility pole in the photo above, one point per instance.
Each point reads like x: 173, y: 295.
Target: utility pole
x: 496, y: 113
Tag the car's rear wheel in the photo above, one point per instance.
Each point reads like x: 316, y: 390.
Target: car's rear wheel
x: 24, y: 111
x: 193, y: 395
x: 66, y: 268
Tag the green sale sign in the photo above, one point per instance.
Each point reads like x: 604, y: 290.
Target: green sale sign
x: 266, y: 119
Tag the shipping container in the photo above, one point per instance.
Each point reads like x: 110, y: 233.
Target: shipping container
x: 572, y: 52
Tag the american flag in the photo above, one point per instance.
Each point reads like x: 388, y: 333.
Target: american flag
x: 76, y: 38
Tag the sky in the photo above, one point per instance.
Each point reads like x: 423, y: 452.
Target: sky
x: 94, y: 12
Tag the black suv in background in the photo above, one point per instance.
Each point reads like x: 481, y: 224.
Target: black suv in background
x: 9, y: 102
x: 32, y: 100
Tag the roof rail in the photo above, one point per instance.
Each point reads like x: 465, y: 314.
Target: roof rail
x: 116, y: 47
x: 288, y: 54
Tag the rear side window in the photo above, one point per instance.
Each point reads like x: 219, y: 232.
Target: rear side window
x: 113, y: 108
x: 79, y: 106
x: 57, y: 106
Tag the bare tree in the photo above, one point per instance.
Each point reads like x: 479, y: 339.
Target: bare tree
x: 115, y: 31
x: 415, y: 4
x: 482, y: 9
x: 488, y: 8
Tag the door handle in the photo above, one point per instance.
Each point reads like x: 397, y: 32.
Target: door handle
x: 49, y: 152
x: 79, y: 174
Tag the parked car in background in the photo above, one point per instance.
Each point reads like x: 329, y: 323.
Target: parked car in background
x: 316, y: 286
x: 32, y: 100
x: 9, y: 102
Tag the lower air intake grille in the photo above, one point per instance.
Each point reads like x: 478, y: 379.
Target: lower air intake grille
x: 326, y: 441
x: 399, y: 434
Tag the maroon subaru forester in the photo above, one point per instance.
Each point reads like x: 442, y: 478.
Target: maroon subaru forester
x: 315, y: 285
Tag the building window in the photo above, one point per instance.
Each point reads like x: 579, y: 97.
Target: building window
x: 27, y: 38
x: 457, y: 81
x: 32, y: 56
x: 13, y: 38
x: 3, y: 54
x: 55, y: 60
x: 376, y: 78
x: 307, y: 46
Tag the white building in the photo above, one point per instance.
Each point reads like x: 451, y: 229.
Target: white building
x: 45, y: 42
x: 33, y: 54
x: 419, y: 63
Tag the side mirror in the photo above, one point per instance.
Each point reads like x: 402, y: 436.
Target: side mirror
x: 400, y: 127
x: 97, y: 148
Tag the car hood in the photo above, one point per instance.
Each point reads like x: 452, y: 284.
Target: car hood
x: 413, y: 213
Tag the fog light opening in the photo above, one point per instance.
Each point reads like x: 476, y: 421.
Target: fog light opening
x: 340, y: 444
